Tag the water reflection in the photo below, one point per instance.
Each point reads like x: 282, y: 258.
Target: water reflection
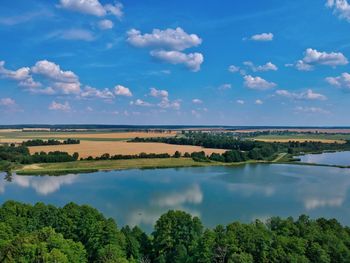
x: 42, y: 185
x: 218, y: 195
x: 162, y: 201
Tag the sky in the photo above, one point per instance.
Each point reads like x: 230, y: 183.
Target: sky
x: 253, y: 62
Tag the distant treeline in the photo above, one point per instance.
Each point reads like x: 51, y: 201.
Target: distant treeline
x: 73, y: 233
x: 230, y: 142
x: 39, y: 142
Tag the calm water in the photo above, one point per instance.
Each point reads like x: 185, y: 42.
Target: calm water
x: 336, y: 158
x: 215, y: 194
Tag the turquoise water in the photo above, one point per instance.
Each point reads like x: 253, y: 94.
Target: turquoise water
x: 218, y: 195
x: 333, y: 158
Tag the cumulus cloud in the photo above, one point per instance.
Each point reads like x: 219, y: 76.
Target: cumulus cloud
x: 90, y: 92
x: 258, y: 83
x: 192, y: 61
x: 169, y: 39
x: 92, y: 7
x: 56, y: 106
x: 240, y: 102
x: 197, y: 101
x: 165, y: 101
x: 311, y: 110
x: 258, y: 102
x: 342, y: 81
x: 105, y: 24
x: 141, y: 103
x: 307, y: 95
x: 53, y: 71
x: 158, y: 93
x: 66, y: 82
x: 313, y: 57
x: 21, y: 75
x: 262, y: 37
x: 168, y: 46
x: 120, y: 90
x: 266, y: 67
x: 340, y: 8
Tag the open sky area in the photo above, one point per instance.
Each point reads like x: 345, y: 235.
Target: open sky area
x: 253, y: 62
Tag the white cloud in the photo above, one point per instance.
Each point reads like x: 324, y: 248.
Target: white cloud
x: 197, y: 101
x: 307, y: 95
x: 92, y: 7
x: 312, y: 56
x: 258, y: 83
x: 53, y: 71
x: 262, y: 37
x: 340, y: 8
x: 192, y: 61
x: 240, y: 102
x: 21, y: 75
x: 120, y: 90
x: 60, y: 106
x: 90, y: 92
x: 105, y: 24
x: 311, y: 110
x: 66, y: 82
x: 165, y: 103
x: 7, y: 102
x: 169, y: 39
x: 225, y: 86
x: 140, y: 102
x: 258, y: 102
x: 342, y: 81
x: 158, y: 93
x: 302, y: 66
x: 266, y: 67
x: 233, y: 69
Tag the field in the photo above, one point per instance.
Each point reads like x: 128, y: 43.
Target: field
x: 97, y: 143
x: 325, y: 138
x: 97, y: 148
x: 107, y: 165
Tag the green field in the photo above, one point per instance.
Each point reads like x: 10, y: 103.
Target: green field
x: 303, y: 136
x: 107, y: 165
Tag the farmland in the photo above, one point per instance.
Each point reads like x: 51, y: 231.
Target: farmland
x: 97, y: 148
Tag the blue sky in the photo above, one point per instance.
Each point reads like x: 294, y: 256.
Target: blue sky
x: 275, y: 62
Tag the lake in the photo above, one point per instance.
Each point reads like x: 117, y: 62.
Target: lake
x: 332, y: 158
x: 218, y: 195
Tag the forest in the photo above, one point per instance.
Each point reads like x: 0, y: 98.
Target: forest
x: 73, y: 233
x: 39, y: 142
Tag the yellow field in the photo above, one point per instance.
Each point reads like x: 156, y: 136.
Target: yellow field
x: 97, y: 148
x: 107, y: 135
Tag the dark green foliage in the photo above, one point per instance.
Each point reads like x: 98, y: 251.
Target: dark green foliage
x: 44, y: 233
x: 39, y: 142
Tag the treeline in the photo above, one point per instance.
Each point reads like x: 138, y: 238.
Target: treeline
x: 45, y: 233
x: 39, y: 142
x: 20, y: 154
x: 230, y: 142
x: 107, y: 156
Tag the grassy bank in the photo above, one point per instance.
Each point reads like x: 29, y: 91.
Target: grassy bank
x: 108, y: 165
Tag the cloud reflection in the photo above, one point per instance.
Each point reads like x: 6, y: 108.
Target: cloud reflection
x: 42, y: 185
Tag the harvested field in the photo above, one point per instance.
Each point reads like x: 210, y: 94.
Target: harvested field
x: 107, y: 135
x: 97, y: 148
